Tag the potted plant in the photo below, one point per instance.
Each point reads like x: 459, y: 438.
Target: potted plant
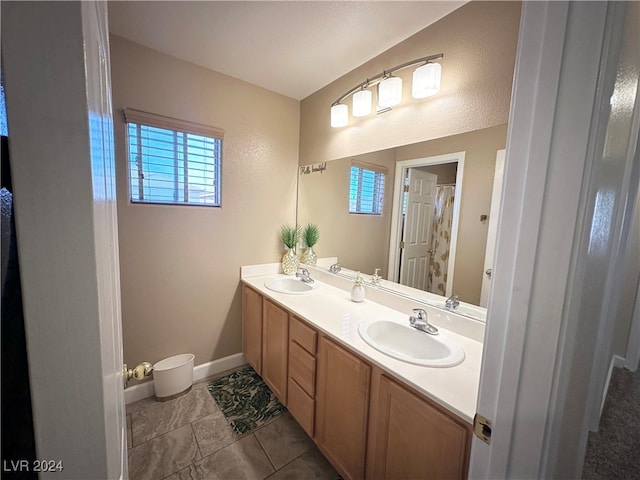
x: 289, y: 236
x: 310, y: 235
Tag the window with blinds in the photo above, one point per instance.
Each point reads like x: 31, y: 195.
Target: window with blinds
x: 366, y: 188
x: 172, y: 161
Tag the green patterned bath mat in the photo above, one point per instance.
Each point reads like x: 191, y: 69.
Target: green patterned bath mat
x: 245, y: 400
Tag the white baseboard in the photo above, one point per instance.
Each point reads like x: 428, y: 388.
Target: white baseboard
x: 200, y: 372
x: 618, y: 362
x: 205, y: 370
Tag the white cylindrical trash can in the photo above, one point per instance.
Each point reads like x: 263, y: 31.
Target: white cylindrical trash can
x: 173, y: 376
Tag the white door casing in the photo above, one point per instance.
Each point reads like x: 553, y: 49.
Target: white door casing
x: 614, y: 189
x: 416, y: 254
x: 57, y: 80
x: 494, y: 217
x: 396, y: 211
x: 517, y: 362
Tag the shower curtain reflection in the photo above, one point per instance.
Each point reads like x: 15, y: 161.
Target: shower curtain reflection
x: 441, y: 239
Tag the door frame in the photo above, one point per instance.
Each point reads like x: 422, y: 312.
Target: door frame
x: 509, y: 342
x: 396, y: 211
x: 494, y: 220
x: 530, y: 386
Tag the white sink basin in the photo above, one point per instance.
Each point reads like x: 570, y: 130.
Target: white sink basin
x: 410, y: 345
x: 290, y: 285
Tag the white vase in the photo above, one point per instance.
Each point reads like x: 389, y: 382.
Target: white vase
x: 357, y: 293
x: 309, y: 257
x: 290, y: 262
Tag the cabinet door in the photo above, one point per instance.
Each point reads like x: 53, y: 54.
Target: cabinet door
x: 342, y: 402
x: 275, y: 348
x: 415, y: 439
x: 252, y: 327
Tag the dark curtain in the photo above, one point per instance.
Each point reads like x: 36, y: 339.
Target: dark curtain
x: 18, y: 445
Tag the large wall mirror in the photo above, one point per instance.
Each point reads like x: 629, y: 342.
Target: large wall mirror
x: 430, y: 234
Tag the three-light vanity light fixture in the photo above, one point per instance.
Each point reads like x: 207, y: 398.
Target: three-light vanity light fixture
x: 426, y: 82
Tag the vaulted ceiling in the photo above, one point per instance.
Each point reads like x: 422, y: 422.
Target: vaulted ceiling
x: 290, y: 47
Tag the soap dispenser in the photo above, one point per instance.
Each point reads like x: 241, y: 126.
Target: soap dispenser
x: 357, y: 292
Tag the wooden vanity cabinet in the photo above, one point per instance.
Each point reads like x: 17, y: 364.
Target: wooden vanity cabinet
x: 252, y: 328
x: 275, y: 348
x: 411, y: 437
x: 342, y: 408
x: 368, y: 424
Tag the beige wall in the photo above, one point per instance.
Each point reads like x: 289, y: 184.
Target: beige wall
x: 361, y: 242
x: 479, y: 44
x: 180, y: 265
x: 446, y: 172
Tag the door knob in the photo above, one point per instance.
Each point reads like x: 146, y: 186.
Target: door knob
x: 142, y: 370
x: 488, y: 272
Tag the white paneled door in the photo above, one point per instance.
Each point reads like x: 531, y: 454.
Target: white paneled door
x: 57, y: 79
x: 416, y: 254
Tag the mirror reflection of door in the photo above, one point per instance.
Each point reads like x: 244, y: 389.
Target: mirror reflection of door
x: 416, y: 233
x: 496, y: 198
x: 432, y: 225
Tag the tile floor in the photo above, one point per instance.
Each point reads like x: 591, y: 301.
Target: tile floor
x: 188, y: 438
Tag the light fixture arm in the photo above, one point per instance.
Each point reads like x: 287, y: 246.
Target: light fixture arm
x: 381, y: 76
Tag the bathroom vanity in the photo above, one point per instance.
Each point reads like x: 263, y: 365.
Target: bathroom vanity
x: 373, y: 416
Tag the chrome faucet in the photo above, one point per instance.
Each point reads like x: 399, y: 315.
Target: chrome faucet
x: 452, y: 302
x: 303, y: 274
x: 420, y: 322
x: 335, y: 268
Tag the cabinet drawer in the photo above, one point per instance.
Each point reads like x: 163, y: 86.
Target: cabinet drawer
x: 304, y: 335
x: 302, y: 368
x: 301, y: 406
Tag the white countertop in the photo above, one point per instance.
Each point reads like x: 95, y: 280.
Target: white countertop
x: 330, y: 310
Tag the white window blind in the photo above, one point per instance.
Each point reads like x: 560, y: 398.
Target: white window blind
x: 366, y: 188
x: 172, y: 161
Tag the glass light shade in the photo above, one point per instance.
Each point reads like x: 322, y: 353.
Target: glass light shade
x: 339, y: 115
x: 426, y: 80
x: 389, y: 92
x: 362, y: 103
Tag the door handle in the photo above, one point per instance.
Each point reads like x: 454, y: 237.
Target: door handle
x: 142, y: 370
